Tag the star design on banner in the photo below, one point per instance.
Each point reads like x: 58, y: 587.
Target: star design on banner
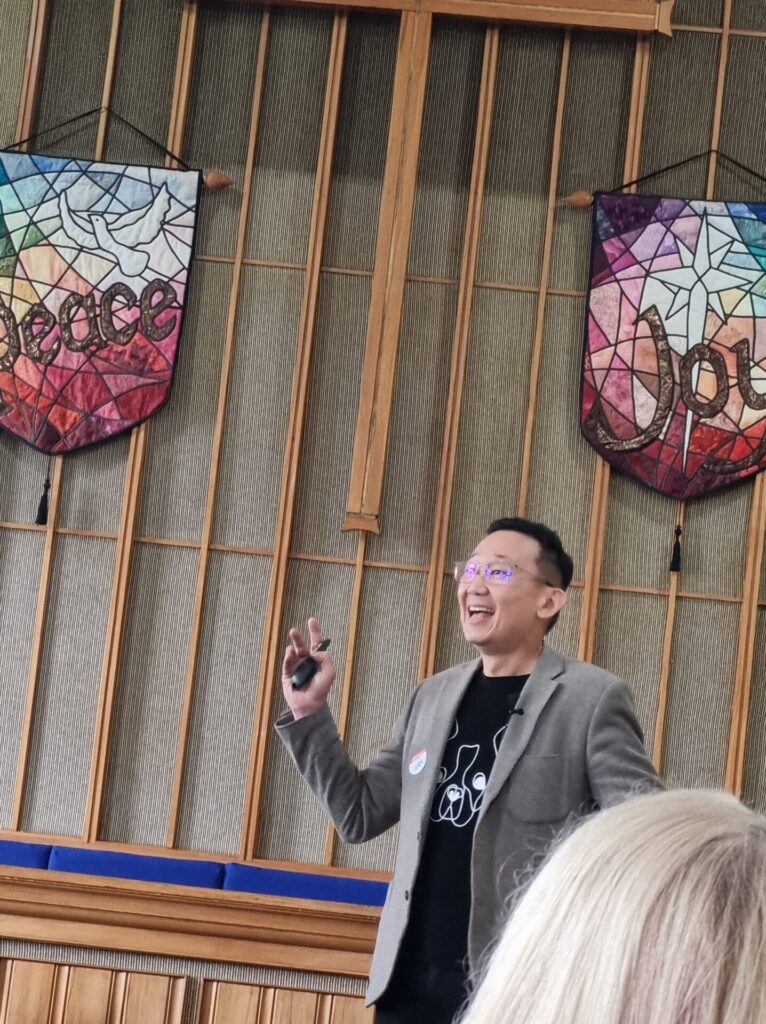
x: 697, y: 286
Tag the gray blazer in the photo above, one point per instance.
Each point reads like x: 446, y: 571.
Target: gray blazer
x: 577, y: 747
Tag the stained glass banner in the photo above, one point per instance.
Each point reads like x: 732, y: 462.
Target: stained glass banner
x: 94, y: 265
x: 674, y: 361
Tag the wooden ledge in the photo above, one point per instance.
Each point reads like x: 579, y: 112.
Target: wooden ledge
x: 176, y: 920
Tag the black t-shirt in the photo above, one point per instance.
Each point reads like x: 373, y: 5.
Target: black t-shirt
x: 437, y: 933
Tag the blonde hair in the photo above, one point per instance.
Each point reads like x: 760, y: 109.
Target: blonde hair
x: 652, y: 912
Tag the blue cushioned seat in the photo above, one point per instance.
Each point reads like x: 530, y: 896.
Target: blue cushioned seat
x: 24, y: 855
x: 138, y: 866
x: 304, y: 885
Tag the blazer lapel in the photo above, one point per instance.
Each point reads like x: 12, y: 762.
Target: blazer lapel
x: 538, y: 690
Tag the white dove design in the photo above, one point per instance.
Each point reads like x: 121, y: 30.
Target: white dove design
x: 117, y: 234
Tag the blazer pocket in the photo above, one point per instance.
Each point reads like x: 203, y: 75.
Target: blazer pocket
x: 539, y: 788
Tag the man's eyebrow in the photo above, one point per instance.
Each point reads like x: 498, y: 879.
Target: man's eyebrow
x: 494, y: 558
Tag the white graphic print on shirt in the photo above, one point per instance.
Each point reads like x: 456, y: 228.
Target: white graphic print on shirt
x: 459, y: 792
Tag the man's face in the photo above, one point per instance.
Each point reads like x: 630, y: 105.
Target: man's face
x: 498, y: 617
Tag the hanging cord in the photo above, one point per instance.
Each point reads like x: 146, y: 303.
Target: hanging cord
x: 92, y: 113
x: 689, y: 160
x: 41, y: 519
x: 582, y: 199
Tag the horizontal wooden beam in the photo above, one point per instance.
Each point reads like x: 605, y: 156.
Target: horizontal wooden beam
x: 176, y: 920
x: 617, y: 15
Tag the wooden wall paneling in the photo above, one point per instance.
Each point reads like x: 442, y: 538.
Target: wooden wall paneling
x: 223, y: 1001
x: 601, y: 474
x: 390, y: 269
x: 35, y: 663
x: 59, y: 994
x: 348, y: 669
x: 88, y: 996
x: 468, y: 260
x: 132, y: 486
x: 545, y: 265
x: 30, y: 992
x: 351, y: 1009
x: 152, y: 999
x: 664, y: 687
x: 272, y: 648
x: 207, y: 528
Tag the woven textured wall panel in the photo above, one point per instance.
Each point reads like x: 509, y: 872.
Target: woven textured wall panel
x: 70, y: 84
x: 592, y: 143
x: 385, y: 672
x: 333, y: 398
x: 177, y: 462
x: 629, y: 634
x: 745, y: 78
x: 699, y: 12
x: 518, y: 172
x: 221, y: 726
x: 566, y: 633
x: 561, y: 473
x: 754, y: 782
x: 446, y: 148
x: 417, y: 426
x: 451, y: 645
x: 713, y: 542
x: 21, y: 480
x: 289, y: 134
x: 679, y: 111
x: 492, y: 415
x: 293, y: 825
x: 92, y: 488
x: 218, y: 119
x: 147, y: 702
x: 639, y: 535
x: 20, y: 563
x: 747, y: 14
x: 143, y: 81
x: 15, y: 15
x: 701, y: 682
x: 258, y: 406
x: 360, y: 141
x: 70, y: 673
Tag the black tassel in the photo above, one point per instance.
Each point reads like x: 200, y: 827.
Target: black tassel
x: 675, y: 561
x: 42, y: 509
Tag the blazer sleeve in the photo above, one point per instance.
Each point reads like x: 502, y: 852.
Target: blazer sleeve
x: 361, y: 802
x: 618, y: 765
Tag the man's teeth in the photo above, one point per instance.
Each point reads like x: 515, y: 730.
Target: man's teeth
x: 473, y: 609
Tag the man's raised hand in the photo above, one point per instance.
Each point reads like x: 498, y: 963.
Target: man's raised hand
x: 314, y: 694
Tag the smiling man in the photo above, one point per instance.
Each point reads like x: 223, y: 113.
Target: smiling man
x: 488, y: 762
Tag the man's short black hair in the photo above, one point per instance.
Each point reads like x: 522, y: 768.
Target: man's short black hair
x: 555, y: 564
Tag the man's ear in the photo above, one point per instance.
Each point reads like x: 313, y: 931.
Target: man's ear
x: 552, y: 603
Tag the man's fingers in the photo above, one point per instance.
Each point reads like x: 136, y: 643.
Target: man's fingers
x: 315, y: 633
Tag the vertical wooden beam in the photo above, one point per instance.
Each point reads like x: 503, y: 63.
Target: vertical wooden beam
x: 43, y: 594
x: 132, y: 489
x: 220, y: 419
x: 748, y: 622
x: 459, y: 355
x: 664, y: 687
x: 36, y: 39
x: 35, y: 55
x: 545, y: 265
x: 601, y: 475
x: 272, y: 648
x: 106, y: 92
x: 389, y: 272
x: 348, y: 665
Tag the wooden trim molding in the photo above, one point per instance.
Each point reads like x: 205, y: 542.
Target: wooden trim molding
x: 176, y: 920
x: 618, y: 15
